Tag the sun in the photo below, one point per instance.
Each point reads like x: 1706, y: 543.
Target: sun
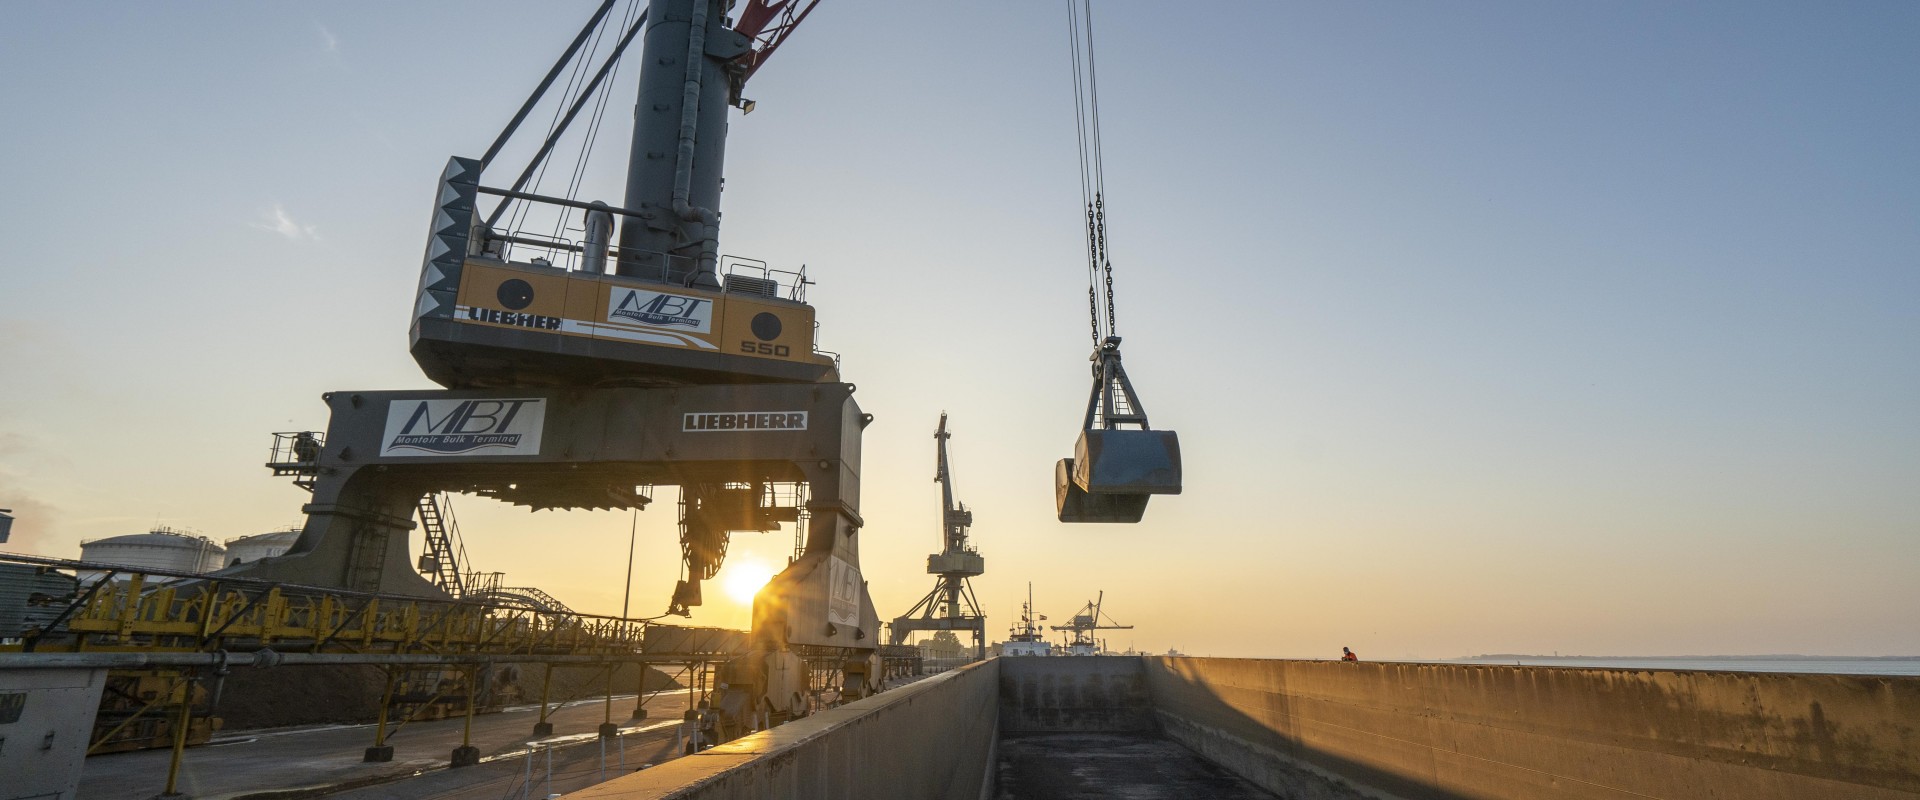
x: 744, y: 579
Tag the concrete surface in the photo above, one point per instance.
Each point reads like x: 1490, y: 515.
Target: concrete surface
x: 929, y: 739
x: 1319, y: 729
x: 327, y: 759
x: 1084, y: 694
x: 1096, y: 766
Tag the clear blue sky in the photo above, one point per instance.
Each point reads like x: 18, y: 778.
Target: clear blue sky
x: 1510, y: 327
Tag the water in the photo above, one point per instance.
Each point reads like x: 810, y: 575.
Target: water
x: 1834, y: 666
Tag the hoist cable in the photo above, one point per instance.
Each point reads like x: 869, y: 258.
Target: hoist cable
x: 605, y: 93
x: 580, y: 67
x: 1086, y: 178
x: 1099, y: 165
x: 1086, y: 108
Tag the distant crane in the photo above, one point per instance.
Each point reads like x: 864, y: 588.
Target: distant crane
x: 951, y: 605
x: 1084, y: 623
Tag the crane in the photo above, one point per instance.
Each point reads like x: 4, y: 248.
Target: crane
x: 1084, y: 623
x: 579, y: 373
x: 951, y: 605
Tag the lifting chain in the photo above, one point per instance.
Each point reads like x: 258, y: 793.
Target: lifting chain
x: 1099, y: 202
x: 1093, y: 261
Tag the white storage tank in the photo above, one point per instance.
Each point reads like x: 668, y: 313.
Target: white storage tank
x: 248, y: 549
x: 161, y: 548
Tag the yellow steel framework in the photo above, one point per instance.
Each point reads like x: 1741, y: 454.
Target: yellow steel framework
x: 171, y: 630
x: 215, y: 615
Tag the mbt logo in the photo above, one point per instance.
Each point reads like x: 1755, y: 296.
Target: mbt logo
x: 843, y: 593
x: 744, y: 421
x: 508, y: 426
x: 660, y: 310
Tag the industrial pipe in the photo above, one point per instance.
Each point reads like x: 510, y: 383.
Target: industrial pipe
x: 706, y: 221
x: 593, y: 256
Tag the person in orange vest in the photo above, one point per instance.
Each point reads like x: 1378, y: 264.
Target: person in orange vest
x: 1347, y: 655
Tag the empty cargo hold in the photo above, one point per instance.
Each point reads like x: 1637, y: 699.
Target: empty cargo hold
x: 1033, y: 728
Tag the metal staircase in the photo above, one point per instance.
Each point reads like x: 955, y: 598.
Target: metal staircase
x: 444, y: 555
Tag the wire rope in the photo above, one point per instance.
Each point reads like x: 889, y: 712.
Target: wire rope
x: 1102, y: 317
x: 574, y: 78
x: 593, y: 126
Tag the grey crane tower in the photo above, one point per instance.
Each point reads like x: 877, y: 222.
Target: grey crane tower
x: 951, y: 605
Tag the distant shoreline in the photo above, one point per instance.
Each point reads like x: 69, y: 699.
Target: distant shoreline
x: 1770, y: 657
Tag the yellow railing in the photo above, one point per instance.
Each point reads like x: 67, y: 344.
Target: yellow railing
x: 209, y: 616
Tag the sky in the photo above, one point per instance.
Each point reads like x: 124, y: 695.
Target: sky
x: 1499, y: 327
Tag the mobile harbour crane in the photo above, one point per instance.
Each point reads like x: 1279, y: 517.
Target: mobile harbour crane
x: 650, y: 359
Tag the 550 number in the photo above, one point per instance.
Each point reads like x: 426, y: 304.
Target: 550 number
x: 764, y: 349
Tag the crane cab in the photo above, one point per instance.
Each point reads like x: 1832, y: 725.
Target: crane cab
x: 485, y: 318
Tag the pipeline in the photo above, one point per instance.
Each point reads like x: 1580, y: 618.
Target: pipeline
x: 705, y: 222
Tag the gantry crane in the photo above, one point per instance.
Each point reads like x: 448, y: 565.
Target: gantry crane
x: 951, y: 605
x: 1084, y: 623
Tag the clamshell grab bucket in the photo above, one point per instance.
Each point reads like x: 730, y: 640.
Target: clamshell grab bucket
x: 1073, y: 504
x: 1127, y: 462
x: 1115, y: 468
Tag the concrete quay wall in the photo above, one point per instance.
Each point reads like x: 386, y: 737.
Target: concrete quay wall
x: 1317, y: 730
x: 932, y: 739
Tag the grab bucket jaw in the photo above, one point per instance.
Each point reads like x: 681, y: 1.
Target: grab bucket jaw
x: 1127, y: 462
x: 1073, y: 504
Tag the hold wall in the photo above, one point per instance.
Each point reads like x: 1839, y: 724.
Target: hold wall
x: 1318, y: 730
x: 932, y: 739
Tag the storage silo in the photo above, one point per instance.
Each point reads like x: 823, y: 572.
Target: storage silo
x: 248, y: 549
x: 159, y: 549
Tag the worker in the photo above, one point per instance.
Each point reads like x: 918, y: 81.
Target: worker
x: 1347, y: 655
x: 700, y: 723
x: 306, y: 448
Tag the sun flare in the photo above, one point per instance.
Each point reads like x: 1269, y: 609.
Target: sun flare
x: 745, y: 578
